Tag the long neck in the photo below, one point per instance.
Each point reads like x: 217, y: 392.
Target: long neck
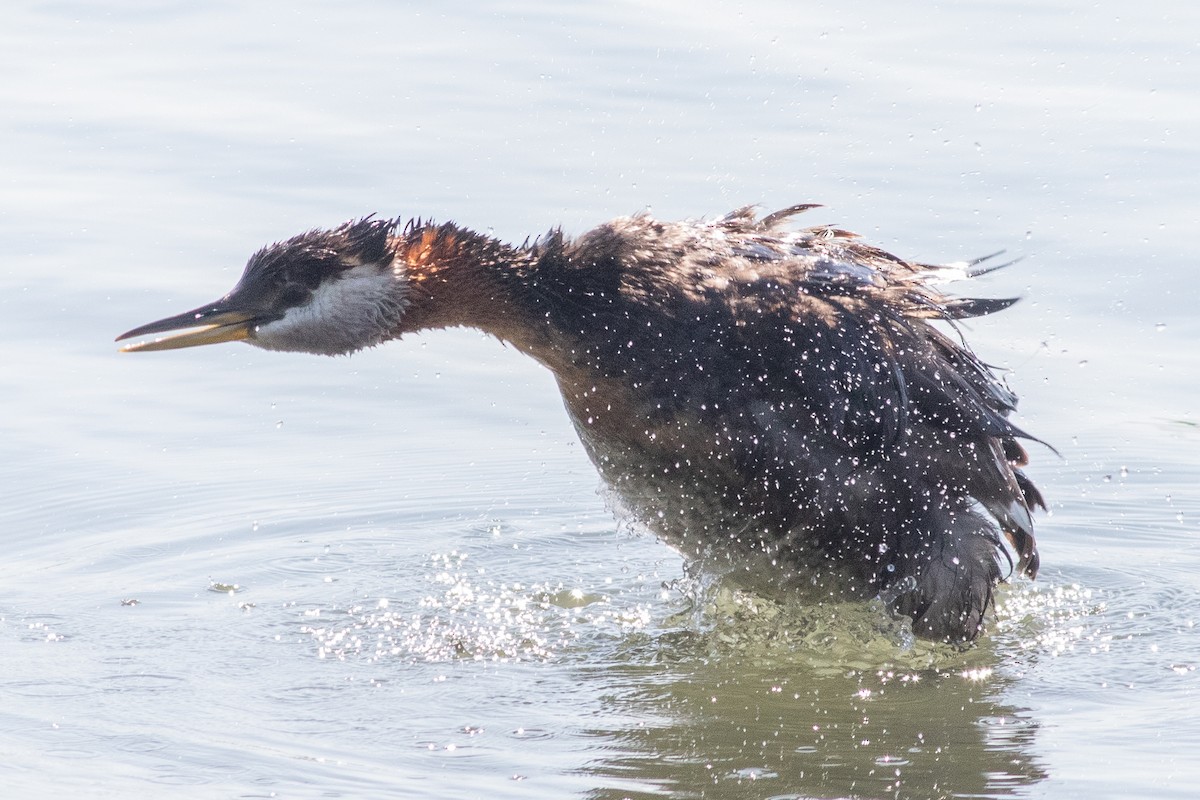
x: 459, y: 278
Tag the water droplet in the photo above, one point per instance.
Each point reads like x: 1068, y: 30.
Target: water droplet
x: 1160, y: 327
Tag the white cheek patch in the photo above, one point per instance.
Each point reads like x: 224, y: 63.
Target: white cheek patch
x: 359, y: 309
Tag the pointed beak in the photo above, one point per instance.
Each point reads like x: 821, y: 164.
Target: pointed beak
x: 213, y: 323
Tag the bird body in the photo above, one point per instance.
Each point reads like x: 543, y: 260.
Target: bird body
x: 743, y: 387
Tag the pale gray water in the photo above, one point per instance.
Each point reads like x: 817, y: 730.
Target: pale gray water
x: 432, y: 599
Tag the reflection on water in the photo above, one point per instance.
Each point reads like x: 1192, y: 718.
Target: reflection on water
x: 742, y: 710
x: 783, y: 730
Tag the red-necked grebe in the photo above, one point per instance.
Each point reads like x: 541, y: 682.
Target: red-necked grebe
x: 742, y: 387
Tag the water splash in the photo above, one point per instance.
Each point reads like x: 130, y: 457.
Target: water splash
x: 469, y: 618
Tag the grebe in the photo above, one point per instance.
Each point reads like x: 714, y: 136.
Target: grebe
x: 743, y: 387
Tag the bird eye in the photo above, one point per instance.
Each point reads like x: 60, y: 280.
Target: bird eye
x: 293, y: 296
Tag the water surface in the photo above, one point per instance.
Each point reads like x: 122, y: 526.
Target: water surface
x: 236, y: 573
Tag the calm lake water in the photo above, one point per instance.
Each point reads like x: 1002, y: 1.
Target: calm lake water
x: 230, y: 573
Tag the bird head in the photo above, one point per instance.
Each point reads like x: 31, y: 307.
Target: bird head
x: 329, y: 292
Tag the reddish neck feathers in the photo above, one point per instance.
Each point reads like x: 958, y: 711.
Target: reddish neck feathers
x: 459, y: 278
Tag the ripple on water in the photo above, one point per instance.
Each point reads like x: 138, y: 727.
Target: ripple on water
x: 1119, y: 635
x: 532, y: 734
x: 140, y: 682
x: 304, y: 565
x: 72, y: 753
x: 139, y: 744
x: 49, y: 688
x: 176, y: 776
x: 1007, y: 732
